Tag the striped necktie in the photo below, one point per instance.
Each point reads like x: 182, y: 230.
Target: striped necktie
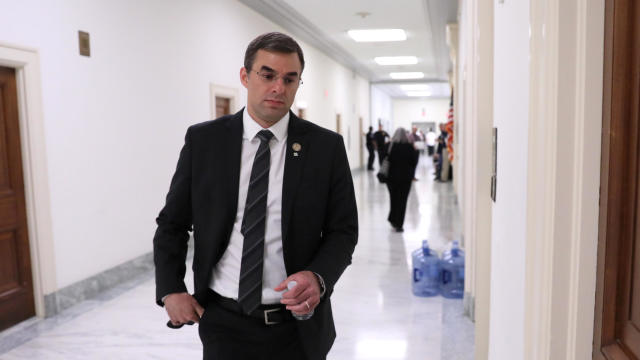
x: 253, y: 227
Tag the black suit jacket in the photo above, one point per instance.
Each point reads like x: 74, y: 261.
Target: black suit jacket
x: 319, y: 216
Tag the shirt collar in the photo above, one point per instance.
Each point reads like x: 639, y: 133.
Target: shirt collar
x: 251, y: 127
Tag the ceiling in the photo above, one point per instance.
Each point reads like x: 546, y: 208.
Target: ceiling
x: 324, y: 25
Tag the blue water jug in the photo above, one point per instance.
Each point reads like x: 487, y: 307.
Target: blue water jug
x: 426, y: 271
x: 452, y: 275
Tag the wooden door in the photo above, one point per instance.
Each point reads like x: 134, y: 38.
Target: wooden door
x: 223, y: 106
x: 617, y: 316
x: 16, y: 289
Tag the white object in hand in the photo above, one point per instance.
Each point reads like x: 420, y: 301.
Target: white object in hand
x: 292, y: 284
x: 307, y: 316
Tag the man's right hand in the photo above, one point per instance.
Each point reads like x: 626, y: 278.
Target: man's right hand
x: 182, y: 308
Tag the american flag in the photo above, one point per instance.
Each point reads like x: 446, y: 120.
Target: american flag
x: 449, y: 128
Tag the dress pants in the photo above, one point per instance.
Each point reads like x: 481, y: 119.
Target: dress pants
x: 371, y: 159
x: 228, y: 335
x: 381, y: 155
x: 398, y: 194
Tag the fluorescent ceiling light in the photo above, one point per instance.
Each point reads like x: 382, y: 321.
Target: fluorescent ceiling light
x: 396, y: 60
x: 375, y: 35
x: 419, y: 93
x: 407, y: 75
x: 415, y: 87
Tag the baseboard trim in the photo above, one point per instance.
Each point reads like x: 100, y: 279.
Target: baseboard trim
x: 89, y: 288
x: 469, y: 304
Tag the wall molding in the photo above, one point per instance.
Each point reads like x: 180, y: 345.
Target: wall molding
x: 587, y: 122
x: 469, y: 306
x: 541, y: 178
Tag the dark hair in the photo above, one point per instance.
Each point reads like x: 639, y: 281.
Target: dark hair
x: 273, y: 42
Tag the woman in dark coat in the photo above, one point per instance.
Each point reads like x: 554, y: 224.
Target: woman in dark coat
x: 403, y: 159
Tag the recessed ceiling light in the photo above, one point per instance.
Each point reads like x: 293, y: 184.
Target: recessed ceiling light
x: 415, y: 87
x: 396, y: 60
x: 406, y: 75
x: 373, y: 35
x: 419, y: 93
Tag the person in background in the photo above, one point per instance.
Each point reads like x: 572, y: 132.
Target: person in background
x: 431, y: 141
x: 418, y: 144
x: 442, y: 144
x: 371, y: 147
x: 415, y: 134
x: 402, y: 161
x: 381, y: 138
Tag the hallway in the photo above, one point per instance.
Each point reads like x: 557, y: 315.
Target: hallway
x: 376, y: 315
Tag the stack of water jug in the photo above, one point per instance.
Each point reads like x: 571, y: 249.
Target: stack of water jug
x: 433, y: 275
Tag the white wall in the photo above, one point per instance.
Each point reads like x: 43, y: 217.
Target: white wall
x: 381, y: 110
x: 115, y: 121
x: 331, y: 89
x: 511, y: 104
x: 407, y: 111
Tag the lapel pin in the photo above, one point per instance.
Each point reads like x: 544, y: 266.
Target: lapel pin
x: 295, y: 154
x: 296, y: 147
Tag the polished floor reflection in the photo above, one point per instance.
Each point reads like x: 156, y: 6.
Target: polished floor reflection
x: 377, y: 317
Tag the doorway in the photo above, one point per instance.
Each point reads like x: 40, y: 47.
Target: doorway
x: 223, y: 106
x: 16, y: 284
x: 223, y: 100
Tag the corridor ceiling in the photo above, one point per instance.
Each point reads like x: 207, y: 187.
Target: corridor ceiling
x: 324, y: 24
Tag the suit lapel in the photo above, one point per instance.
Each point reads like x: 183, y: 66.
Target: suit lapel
x: 297, y: 148
x: 234, y: 148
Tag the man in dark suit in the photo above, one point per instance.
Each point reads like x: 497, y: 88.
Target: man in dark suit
x: 371, y: 147
x: 381, y: 141
x: 270, y: 200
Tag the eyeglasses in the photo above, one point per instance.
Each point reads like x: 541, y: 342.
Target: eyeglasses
x: 270, y: 77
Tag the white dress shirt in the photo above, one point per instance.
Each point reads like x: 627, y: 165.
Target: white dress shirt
x: 431, y: 138
x: 226, y: 274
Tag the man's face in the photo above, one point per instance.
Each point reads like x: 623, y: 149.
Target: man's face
x: 271, y: 85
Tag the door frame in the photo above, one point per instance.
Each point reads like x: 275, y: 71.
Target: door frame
x: 26, y: 61
x: 563, y: 165
x: 614, y: 230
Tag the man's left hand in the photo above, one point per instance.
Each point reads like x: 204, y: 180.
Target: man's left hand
x: 303, y: 297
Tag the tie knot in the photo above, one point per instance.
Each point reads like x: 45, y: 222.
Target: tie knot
x: 265, y: 135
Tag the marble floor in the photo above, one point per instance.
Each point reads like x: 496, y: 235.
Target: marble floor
x: 376, y: 315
